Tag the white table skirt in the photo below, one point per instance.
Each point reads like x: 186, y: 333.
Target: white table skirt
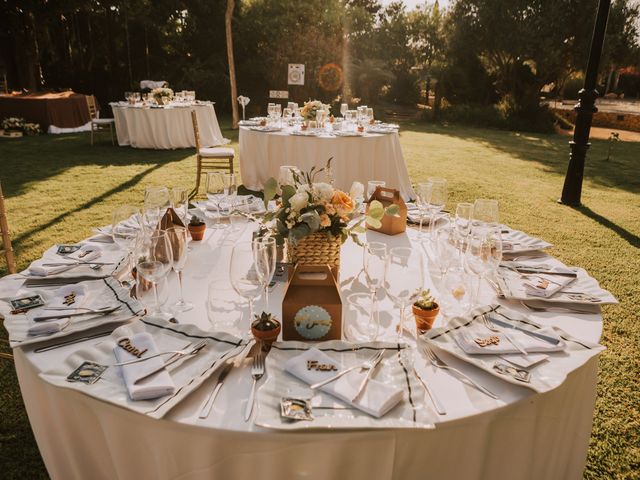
x: 372, y: 157
x: 523, y: 435
x: 165, y: 128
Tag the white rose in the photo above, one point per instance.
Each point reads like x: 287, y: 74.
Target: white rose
x: 323, y: 191
x: 357, y: 190
x: 299, y: 201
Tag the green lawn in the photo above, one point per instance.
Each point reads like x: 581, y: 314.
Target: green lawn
x: 58, y: 187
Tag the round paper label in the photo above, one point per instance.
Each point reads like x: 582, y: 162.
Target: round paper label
x: 312, y: 322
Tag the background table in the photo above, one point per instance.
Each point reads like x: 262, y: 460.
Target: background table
x: 165, y: 128
x: 64, y: 110
x: 523, y: 435
x: 371, y: 157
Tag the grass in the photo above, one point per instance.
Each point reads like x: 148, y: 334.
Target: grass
x: 58, y: 187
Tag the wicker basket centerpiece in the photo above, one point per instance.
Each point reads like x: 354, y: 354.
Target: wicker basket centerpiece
x: 320, y: 248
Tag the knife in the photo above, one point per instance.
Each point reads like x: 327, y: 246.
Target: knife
x: 79, y: 314
x: 544, y: 272
x: 192, y: 353
x: 206, y: 408
x: 436, y: 403
x: 540, y: 336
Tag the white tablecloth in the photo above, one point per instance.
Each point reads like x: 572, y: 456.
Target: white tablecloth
x: 372, y: 157
x: 523, y: 435
x: 165, y: 128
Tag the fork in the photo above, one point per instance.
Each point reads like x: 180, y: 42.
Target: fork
x: 191, y: 352
x: 370, y: 366
x: 552, y: 308
x: 257, y: 371
x: 366, y: 365
x: 491, y: 327
x: 438, y: 363
x: 180, y: 353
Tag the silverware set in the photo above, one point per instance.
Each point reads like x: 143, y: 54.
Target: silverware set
x: 189, y: 353
x: 486, y: 321
x: 102, y: 311
x: 366, y: 365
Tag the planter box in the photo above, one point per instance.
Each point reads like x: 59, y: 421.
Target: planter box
x: 10, y: 134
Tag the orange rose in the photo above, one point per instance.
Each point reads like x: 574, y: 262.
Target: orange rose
x: 342, y: 202
x: 325, y: 221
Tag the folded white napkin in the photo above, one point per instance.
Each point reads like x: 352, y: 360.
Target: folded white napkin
x: 540, y: 285
x: 157, y: 385
x: 56, y: 299
x: 465, y: 338
x: 86, y: 253
x: 376, y: 400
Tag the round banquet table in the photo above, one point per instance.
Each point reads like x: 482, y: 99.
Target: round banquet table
x: 363, y: 158
x: 522, y: 435
x: 169, y: 127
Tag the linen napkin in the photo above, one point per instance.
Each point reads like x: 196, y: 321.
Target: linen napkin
x: 86, y: 253
x: 541, y: 285
x: 465, y: 338
x: 376, y: 400
x: 157, y: 385
x: 56, y: 299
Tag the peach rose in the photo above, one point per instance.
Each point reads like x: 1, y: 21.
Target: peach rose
x: 342, y: 202
x: 325, y: 221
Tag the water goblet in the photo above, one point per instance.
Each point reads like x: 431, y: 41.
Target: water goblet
x: 344, y: 108
x: 154, y: 259
x: 156, y: 202
x: 180, y: 202
x: 215, y: 195
x: 264, y: 257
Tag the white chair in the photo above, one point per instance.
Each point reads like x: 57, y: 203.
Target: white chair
x: 209, y: 158
x: 99, y: 124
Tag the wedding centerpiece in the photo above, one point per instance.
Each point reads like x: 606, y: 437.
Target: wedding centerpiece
x: 310, y: 108
x: 162, y: 95
x: 13, y: 124
x: 313, y: 218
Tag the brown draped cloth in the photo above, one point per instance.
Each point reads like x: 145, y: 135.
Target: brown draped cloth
x: 63, y: 110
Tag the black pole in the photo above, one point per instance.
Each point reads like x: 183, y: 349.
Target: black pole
x: 586, y: 107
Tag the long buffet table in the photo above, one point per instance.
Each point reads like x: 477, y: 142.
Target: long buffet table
x: 64, y: 110
x: 523, y: 434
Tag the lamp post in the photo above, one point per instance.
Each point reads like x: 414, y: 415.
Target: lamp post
x: 586, y: 107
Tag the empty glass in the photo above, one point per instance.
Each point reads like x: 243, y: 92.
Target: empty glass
x: 215, y: 194
x: 125, y: 226
x: 438, y: 199
x: 447, y: 253
x: 243, y: 274
x: 423, y: 197
x: 344, y: 108
x: 483, y: 254
x: 404, y: 279
x: 264, y: 257
x: 154, y: 260
x: 375, y: 264
x: 179, y: 239
x: 156, y: 202
x: 372, y: 185
x: 180, y: 202
x: 486, y: 213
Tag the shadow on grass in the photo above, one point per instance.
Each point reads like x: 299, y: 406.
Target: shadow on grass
x: 551, y: 151
x: 623, y: 233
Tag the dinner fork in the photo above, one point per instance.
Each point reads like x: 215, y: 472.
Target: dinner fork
x: 257, y: 371
x: 370, y: 366
x: 438, y: 363
x: 493, y: 328
x: 191, y: 352
x: 366, y: 365
x: 175, y: 353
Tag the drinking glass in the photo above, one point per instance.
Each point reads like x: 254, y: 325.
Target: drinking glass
x: 344, y: 108
x: 369, y: 113
x: 264, y: 257
x: 375, y: 264
x: 156, y: 202
x: 482, y: 255
x: 486, y: 213
x: 239, y: 215
x: 125, y: 226
x: 244, y: 275
x: 438, y: 199
x: 154, y: 259
x: 372, y: 185
x: 445, y: 250
x: 180, y: 202
x: 404, y: 279
x: 215, y: 194
x: 462, y: 223
x: 179, y: 239
x: 457, y: 290
x: 423, y: 199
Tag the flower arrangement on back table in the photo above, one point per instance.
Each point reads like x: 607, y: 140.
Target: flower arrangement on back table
x: 307, y: 207
x: 162, y: 94
x: 308, y: 112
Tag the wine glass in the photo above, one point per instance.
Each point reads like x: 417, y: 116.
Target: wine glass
x: 485, y: 213
x: 125, y: 227
x: 264, y: 257
x: 156, y: 202
x: 457, y: 288
x: 463, y: 221
x: 404, y: 279
x: 423, y: 197
x: 178, y: 239
x: 270, y: 110
x: 438, y: 199
x: 483, y: 254
x: 372, y: 185
x: 445, y: 249
x: 154, y: 259
x: 244, y: 275
x: 375, y: 264
x: 180, y: 202
x: 215, y: 194
x: 344, y: 108
x: 369, y: 113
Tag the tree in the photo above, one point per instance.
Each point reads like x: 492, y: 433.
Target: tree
x: 232, y: 65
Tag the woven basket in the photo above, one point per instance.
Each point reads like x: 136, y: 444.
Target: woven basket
x: 316, y: 249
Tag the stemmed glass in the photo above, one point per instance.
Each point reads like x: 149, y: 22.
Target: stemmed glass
x: 375, y: 264
x: 486, y: 213
x: 125, y: 227
x: 369, y: 112
x: 156, y: 202
x: 154, y: 259
x: 404, y: 279
x: 445, y: 249
x: 178, y: 239
x: 264, y: 257
x: 243, y: 273
x: 464, y: 214
x: 215, y: 194
x: 271, y: 111
x: 180, y: 202
x: 437, y: 201
x: 483, y: 254
x: 344, y: 108
x: 423, y: 197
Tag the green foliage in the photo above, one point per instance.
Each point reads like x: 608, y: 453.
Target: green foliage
x: 426, y: 301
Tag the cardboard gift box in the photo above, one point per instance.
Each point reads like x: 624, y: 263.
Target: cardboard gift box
x: 312, y: 308
x: 391, y: 224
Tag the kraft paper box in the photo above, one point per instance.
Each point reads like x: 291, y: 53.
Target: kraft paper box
x: 391, y: 224
x: 312, y: 308
x: 170, y: 219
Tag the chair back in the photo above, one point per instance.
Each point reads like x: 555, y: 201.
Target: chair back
x: 6, y: 239
x: 196, y: 130
x: 91, y: 105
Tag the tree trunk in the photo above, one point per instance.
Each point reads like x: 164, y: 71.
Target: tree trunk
x: 228, y: 16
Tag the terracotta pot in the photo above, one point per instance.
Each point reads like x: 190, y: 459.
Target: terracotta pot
x: 266, y: 336
x: 425, y: 318
x: 197, y: 232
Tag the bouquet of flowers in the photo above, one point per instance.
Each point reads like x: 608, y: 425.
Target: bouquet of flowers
x: 31, y: 128
x: 306, y: 207
x: 13, y: 123
x: 162, y: 93
x: 310, y: 108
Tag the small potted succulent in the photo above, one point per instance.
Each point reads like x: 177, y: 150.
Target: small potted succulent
x: 196, y: 228
x: 265, y: 328
x: 425, y: 310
